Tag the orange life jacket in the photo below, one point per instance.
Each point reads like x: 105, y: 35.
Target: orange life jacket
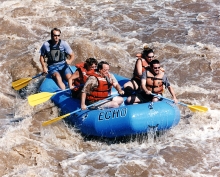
x: 102, y: 91
x: 144, y: 65
x: 155, y: 83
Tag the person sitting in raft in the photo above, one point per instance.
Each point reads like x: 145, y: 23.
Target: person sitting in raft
x: 56, y: 50
x: 141, y: 64
x: 98, y: 87
x: 79, y: 77
x: 152, y: 81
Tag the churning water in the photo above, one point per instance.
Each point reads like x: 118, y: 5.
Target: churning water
x: 185, y: 36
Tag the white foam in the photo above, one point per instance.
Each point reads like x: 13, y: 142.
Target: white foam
x: 115, y: 31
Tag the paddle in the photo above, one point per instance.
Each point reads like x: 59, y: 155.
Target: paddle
x: 42, y: 97
x: 21, y: 83
x: 68, y: 114
x: 193, y: 108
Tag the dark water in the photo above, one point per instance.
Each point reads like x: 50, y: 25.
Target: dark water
x: 185, y: 36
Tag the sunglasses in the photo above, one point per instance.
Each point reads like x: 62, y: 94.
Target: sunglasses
x: 150, y: 56
x: 105, y: 70
x: 56, y: 35
x: 156, y: 67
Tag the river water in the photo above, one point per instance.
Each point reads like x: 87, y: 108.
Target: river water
x: 185, y: 36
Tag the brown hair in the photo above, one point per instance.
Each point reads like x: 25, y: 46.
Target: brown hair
x: 54, y: 29
x: 154, y: 62
x: 91, y: 61
x: 146, y: 51
x: 100, y: 65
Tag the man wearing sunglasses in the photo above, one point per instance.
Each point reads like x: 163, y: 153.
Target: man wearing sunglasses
x: 56, y: 52
x: 152, y: 81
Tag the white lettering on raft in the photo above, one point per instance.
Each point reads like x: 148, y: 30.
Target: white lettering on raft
x: 116, y: 113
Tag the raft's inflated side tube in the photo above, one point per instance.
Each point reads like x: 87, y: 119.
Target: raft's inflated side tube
x: 128, y: 120
x: 115, y: 122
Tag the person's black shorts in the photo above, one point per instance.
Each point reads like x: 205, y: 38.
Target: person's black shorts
x: 138, y: 82
x: 143, y: 97
x: 88, y: 102
x: 76, y: 94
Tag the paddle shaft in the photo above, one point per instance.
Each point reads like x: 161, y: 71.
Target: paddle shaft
x: 62, y: 91
x: 41, y: 74
x: 95, y: 104
x: 38, y: 75
x: 68, y: 114
x: 21, y: 83
x: 168, y: 99
x: 191, y: 107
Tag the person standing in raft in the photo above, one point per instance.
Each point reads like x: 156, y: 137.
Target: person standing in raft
x: 56, y: 50
x: 79, y: 77
x: 98, y: 87
x: 141, y: 65
x: 152, y: 81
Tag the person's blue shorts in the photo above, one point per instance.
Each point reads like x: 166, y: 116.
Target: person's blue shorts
x: 62, y: 68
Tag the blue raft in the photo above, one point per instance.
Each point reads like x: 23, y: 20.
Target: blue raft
x: 115, y: 122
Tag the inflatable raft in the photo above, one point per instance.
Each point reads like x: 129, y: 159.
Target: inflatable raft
x: 115, y: 122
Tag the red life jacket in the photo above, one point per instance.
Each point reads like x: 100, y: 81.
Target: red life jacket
x: 83, y: 75
x: 155, y: 83
x: 144, y: 65
x: 80, y: 65
x: 102, y: 91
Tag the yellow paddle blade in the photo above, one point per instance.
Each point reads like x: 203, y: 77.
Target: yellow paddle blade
x: 55, y: 119
x: 21, y: 83
x: 39, y: 98
x: 195, y: 108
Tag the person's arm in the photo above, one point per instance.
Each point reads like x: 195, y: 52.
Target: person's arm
x: 71, y: 58
x: 143, y: 83
x: 69, y: 51
x: 167, y: 85
x: 116, y: 85
x: 42, y: 54
x: 144, y: 88
x: 75, y: 75
x: 83, y: 100
x: 43, y: 64
x: 173, y: 94
x: 139, y: 55
x: 118, y: 88
x: 139, y: 67
x: 162, y: 69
